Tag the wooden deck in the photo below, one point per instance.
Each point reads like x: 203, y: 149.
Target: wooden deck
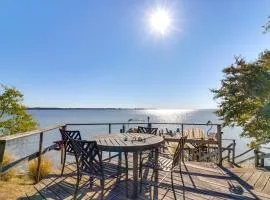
x: 200, y: 181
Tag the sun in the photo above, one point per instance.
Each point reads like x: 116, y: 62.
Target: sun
x: 160, y: 21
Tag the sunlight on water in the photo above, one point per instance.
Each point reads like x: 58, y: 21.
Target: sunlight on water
x: 167, y: 112
x: 167, y: 115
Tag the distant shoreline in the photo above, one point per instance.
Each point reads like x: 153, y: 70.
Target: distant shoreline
x: 48, y: 108
x: 55, y: 108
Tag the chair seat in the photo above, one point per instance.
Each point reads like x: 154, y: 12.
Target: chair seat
x: 110, y: 170
x: 164, y: 164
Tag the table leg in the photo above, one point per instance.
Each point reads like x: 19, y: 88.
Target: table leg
x: 156, y: 176
x: 135, y: 175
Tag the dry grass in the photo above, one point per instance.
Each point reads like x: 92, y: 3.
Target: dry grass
x: 15, y: 188
x: 46, y: 167
x: 8, y: 158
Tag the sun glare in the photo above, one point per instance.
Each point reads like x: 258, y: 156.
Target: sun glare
x: 160, y: 21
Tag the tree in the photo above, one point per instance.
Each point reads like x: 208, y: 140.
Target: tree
x: 244, y: 97
x: 266, y: 27
x: 13, y: 115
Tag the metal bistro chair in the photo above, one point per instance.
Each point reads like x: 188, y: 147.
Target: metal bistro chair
x: 167, y: 163
x: 89, y: 162
x: 65, y: 144
x: 146, y: 130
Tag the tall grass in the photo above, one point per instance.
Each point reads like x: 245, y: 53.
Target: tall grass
x: 8, y: 158
x: 46, y: 166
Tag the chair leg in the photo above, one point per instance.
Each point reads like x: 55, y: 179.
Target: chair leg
x: 140, y: 167
x: 91, y: 182
x: 173, y: 186
x: 102, y: 189
x: 126, y: 160
x: 141, y: 180
x: 119, y: 168
x: 152, y: 176
x: 64, y: 163
x: 181, y: 175
x: 77, y: 185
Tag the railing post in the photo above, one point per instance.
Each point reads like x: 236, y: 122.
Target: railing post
x: 39, y: 155
x: 229, y: 155
x: 262, y: 160
x: 219, y: 140
x: 149, y: 125
x: 182, y: 129
x: 256, y: 159
x: 110, y: 128
x: 2, y: 151
x: 62, y: 147
x: 182, y: 132
x: 233, y: 152
x: 110, y: 131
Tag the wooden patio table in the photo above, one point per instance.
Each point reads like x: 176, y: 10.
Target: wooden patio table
x: 126, y: 142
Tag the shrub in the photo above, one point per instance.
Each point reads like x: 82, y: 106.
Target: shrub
x: 46, y: 166
x: 11, y: 173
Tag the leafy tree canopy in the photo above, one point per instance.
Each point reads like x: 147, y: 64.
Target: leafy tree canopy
x: 267, y: 25
x: 244, y: 97
x: 13, y: 115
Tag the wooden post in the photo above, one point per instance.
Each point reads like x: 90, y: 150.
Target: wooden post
x: 229, y: 155
x: 256, y: 159
x: 149, y: 125
x: 200, y: 153
x: 39, y: 155
x: 62, y: 147
x: 262, y: 159
x: 110, y: 131
x: 110, y: 128
x: 182, y: 130
x: 2, y: 151
x: 219, y: 140
x: 233, y: 152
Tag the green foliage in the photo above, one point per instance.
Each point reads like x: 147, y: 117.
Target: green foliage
x: 13, y: 115
x: 244, y: 97
x: 266, y: 27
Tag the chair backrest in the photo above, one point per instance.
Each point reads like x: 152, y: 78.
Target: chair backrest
x: 88, y: 157
x: 66, y: 135
x: 152, y: 131
x: 179, y: 152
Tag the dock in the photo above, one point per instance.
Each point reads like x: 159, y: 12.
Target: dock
x: 200, y: 181
x: 204, y: 175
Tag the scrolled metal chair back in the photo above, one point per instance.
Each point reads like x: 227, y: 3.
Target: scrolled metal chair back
x: 179, y: 152
x: 88, y: 157
x: 67, y: 135
x: 147, y: 130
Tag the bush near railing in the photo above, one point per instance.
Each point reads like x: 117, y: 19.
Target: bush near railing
x: 8, y: 158
x: 46, y: 166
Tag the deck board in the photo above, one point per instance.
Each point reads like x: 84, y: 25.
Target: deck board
x: 200, y: 181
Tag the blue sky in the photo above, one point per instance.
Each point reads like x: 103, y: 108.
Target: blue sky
x: 103, y: 53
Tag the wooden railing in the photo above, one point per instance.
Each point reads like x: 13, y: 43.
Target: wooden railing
x: 38, y: 154
x: 258, y: 155
x: 42, y: 150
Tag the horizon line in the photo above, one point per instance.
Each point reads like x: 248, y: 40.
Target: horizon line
x: 114, y: 108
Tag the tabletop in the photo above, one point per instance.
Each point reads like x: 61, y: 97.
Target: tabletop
x: 128, y: 142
